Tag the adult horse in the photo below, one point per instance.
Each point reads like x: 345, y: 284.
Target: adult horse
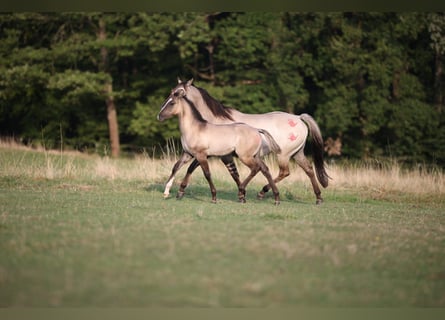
x: 288, y: 130
x: 201, y: 139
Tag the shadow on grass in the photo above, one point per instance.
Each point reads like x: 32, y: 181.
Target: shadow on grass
x: 197, y: 192
x: 202, y: 193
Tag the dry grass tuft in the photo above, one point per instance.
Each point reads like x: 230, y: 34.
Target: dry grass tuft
x: 41, y: 163
x: 389, y: 179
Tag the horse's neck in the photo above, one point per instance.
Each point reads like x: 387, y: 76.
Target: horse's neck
x: 203, y: 109
x: 188, y: 124
x: 209, y: 116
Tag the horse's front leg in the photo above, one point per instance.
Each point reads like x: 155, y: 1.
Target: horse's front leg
x: 185, y: 182
x: 185, y: 157
x: 206, y: 170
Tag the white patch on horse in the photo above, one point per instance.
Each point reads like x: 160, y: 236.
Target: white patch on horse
x: 168, y: 186
x: 165, y: 105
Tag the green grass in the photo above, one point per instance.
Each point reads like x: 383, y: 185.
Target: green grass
x: 79, y: 239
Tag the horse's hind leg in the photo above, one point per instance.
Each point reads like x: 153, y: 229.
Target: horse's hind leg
x: 242, y: 187
x: 231, y: 167
x: 185, y: 182
x: 304, y: 163
x: 256, y: 164
x: 265, y: 171
x: 185, y: 157
x: 228, y: 162
x: 283, y: 165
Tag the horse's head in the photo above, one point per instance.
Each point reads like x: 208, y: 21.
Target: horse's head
x: 192, y: 92
x: 172, y: 105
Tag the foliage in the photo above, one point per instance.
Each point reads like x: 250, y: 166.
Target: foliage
x: 373, y: 81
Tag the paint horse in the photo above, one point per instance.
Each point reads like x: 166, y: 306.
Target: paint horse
x: 288, y: 130
x: 201, y: 139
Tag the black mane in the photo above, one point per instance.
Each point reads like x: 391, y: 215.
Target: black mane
x: 216, y: 107
x: 196, y: 114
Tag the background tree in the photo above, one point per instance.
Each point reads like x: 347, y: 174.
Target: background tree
x: 373, y: 81
x: 24, y: 73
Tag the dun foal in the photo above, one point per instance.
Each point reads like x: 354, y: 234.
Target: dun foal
x: 201, y: 139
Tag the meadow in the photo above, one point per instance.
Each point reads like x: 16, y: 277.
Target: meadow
x: 84, y: 230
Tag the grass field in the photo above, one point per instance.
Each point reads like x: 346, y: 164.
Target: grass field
x: 78, y: 230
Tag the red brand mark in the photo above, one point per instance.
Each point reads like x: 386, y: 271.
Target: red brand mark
x: 291, y: 122
x: 292, y: 137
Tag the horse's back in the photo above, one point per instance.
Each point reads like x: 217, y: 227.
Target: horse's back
x: 288, y: 130
x: 244, y: 138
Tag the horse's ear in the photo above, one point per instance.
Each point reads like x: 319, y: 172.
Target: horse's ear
x: 189, y: 83
x: 179, y: 80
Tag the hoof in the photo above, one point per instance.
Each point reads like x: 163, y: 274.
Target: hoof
x: 319, y: 201
x: 214, y: 201
x: 242, y: 200
x: 260, y: 195
x: 277, y: 203
x: 179, y: 195
x: 166, y: 195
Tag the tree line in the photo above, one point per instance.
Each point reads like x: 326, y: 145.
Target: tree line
x: 374, y: 81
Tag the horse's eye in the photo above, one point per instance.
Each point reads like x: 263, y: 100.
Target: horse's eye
x: 178, y: 93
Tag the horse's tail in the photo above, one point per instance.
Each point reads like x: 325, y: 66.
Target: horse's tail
x: 317, y: 148
x: 272, y: 145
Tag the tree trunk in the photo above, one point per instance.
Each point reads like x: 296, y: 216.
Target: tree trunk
x: 109, y: 99
x: 438, y: 85
x: 113, y: 127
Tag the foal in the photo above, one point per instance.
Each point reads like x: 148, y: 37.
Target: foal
x: 201, y: 139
